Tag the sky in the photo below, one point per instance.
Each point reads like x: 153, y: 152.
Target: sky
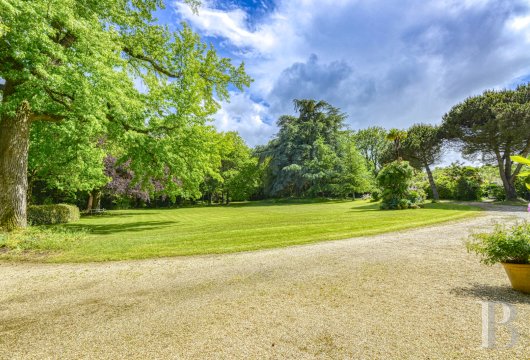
x: 391, y: 63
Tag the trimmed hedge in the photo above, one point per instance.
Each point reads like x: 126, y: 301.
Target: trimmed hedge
x: 52, y: 214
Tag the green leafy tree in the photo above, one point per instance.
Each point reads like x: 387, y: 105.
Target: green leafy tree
x: 494, y: 126
x: 65, y: 159
x: 239, y: 171
x: 372, y: 143
x: 78, y: 61
x: 422, y: 148
x: 353, y: 176
x: 525, y: 174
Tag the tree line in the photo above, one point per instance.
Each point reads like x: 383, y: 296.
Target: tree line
x: 99, y: 101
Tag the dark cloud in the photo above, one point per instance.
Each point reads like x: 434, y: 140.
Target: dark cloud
x: 336, y: 83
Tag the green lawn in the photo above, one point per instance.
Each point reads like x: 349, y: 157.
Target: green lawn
x: 138, y: 234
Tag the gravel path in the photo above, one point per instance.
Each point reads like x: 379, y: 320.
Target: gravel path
x: 414, y: 294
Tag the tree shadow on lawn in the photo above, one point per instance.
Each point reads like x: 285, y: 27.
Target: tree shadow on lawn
x: 281, y: 202
x: 492, y: 293
x: 138, y: 226
x: 429, y: 206
x: 121, y: 214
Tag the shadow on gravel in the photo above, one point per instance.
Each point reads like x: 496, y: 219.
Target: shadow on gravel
x: 492, y: 293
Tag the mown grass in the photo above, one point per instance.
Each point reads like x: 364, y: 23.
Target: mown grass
x: 140, y: 234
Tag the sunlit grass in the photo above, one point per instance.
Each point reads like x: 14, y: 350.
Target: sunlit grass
x: 139, y: 234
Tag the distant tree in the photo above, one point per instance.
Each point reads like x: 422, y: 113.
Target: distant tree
x: 303, y: 158
x: 353, y: 176
x: 372, y: 143
x: 422, y: 148
x: 397, y: 136
x: 494, y: 126
x: 239, y: 171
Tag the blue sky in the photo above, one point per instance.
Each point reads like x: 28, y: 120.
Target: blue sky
x: 383, y: 62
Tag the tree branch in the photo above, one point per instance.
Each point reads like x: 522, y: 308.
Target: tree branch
x: 47, y: 117
x: 153, y: 63
x: 60, y: 97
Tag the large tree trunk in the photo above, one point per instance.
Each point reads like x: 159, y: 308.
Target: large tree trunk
x: 14, y: 144
x: 434, y: 189
x: 509, y: 188
x: 90, y: 203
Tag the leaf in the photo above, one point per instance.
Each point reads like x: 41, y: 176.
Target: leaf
x: 520, y: 159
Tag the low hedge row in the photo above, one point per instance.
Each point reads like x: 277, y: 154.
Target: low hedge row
x: 52, y: 214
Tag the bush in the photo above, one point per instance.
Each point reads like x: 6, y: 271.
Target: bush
x: 395, y: 179
x: 375, y: 195
x: 510, y: 245
x: 495, y: 191
x: 469, y: 183
x: 52, y: 214
x: 417, y: 196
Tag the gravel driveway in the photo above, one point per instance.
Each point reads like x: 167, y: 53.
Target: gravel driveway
x: 414, y: 294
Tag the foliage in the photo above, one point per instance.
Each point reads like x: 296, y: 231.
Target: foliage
x: 64, y: 157
x: 494, y: 191
x: 312, y: 155
x: 508, y: 245
x: 150, y: 233
x: 52, y: 214
x: 525, y: 174
x: 397, y: 137
x: 468, y: 184
x: 422, y: 148
x: 493, y: 126
x: 375, y: 195
x: 372, y: 143
x: 395, y: 180
x: 458, y: 182
x: 106, y: 71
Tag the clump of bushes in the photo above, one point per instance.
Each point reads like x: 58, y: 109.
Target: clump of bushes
x: 457, y: 182
x: 495, y: 191
x: 395, y: 180
x: 503, y: 245
x: 52, y: 214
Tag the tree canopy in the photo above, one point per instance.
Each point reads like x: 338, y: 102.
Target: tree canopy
x: 312, y: 155
x: 107, y: 66
x: 422, y: 148
x: 493, y: 126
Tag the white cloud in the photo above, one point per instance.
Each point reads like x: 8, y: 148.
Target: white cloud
x: 245, y: 116
x: 383, y: 62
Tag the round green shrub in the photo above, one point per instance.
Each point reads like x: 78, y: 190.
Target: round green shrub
x: 395, y: 179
